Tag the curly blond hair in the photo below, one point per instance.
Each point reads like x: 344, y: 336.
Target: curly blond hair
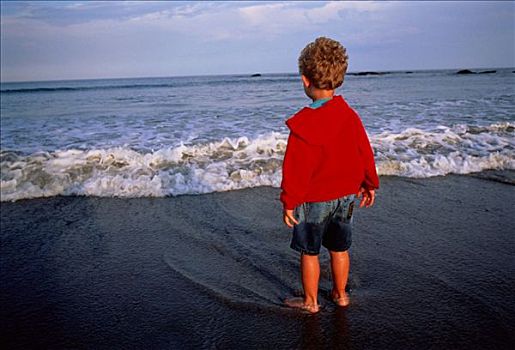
x: 324, y: 62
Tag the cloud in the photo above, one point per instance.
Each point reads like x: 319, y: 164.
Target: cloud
x: 209, y: 20
x: 97, y: 23
x: 285, y: 18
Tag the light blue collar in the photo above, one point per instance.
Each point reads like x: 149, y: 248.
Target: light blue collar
x: 319, y: 103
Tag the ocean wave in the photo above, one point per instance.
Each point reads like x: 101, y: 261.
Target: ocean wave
x: 461, y: 149
x: 172, y: 83
x: 240, y: 163
x: 84, y: 88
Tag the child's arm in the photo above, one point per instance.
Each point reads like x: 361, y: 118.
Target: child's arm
x: 298, y: 166
x: 371, y: 181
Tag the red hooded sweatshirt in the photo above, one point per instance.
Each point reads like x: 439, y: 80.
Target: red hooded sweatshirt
x: 328, y: 155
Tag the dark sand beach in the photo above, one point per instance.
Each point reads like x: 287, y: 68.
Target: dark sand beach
x: 433, y: 267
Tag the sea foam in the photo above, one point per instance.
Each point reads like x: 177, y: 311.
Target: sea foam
x: 235, y: 163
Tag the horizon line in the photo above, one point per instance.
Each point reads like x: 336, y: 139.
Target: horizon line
x: 241, y: 74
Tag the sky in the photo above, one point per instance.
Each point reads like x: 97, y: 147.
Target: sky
x: 87, y: 40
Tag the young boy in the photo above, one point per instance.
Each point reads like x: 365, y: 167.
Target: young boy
x: 328, y: 161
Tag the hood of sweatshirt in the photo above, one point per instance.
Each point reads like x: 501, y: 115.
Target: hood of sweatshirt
x: 320, y: 125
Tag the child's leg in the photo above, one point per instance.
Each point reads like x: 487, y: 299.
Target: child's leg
x: 340, y: 265
x: 310, y: 268
x: 310, y: 273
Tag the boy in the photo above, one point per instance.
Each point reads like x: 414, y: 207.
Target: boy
x: 328, y: 161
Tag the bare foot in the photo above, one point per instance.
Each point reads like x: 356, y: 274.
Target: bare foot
x: 340, y: 300
x: 298, y: 302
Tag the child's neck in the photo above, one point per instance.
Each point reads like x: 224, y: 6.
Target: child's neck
x: 320, y: 94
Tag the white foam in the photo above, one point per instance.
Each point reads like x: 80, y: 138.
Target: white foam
x: 241, y: 162
x: 461, y: 149
x: 218, y: 166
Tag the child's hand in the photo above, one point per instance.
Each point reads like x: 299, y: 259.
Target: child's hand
x: 368, y: 197
x: 288, y: 218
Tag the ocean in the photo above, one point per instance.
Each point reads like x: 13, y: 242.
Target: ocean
x: 156, y: 137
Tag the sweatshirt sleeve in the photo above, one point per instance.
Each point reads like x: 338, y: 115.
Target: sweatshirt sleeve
x: 371, y: 180
x: 298, y: 167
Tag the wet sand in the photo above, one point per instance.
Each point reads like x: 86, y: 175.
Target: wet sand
x: 432, y: 267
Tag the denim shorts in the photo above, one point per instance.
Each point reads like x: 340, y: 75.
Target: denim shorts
x: 323, y: 223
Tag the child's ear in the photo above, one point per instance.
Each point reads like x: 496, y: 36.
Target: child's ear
x: 305, y: 81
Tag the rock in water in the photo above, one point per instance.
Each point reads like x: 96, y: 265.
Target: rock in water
x: 465, y: 71
x: 366, y: 73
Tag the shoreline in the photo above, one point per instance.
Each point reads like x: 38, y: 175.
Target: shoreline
x: 501, y: 176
